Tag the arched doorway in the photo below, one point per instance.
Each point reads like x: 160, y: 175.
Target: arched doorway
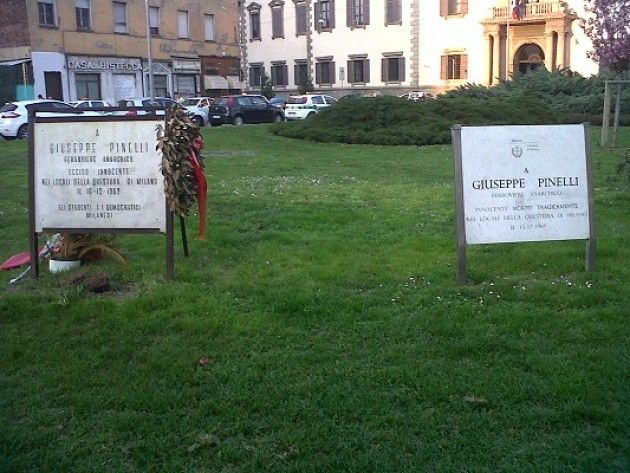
x: 529, y: 57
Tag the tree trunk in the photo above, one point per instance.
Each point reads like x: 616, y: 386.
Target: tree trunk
x: 615, y: 136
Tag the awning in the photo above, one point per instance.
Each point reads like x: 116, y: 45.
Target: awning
x: 234, y: 82
x: 14, y: 62
x: 215, y: 82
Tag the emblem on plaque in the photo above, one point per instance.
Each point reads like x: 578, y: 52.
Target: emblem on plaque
x: 517, y: 151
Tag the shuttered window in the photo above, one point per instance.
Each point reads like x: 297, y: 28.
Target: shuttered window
x: 357, y: 12
x: 453, y: 7
x: 277, y: 22
x: 393, y: 13
x: 393, y: 69
x: 46, y: 11
x: 325, y: 15
x: 82, y: 10
x: 154, y: 20
x: 182, y: 24
x: 279, y: 75
x: 454, y: 67
x: 208, y: 22
x: 301, y: 25
x: 359, y: 71
x: 120, y: 17
x: 325, y: 72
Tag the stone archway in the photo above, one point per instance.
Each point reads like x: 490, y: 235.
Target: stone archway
x: 528, y: 57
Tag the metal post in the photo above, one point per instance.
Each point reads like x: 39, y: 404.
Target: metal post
x: 456, y: 134
x: 33, y: 244
x: 591, y: 243
x: 149, y: 57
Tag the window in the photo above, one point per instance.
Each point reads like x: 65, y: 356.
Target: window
x: 358, y: 71
x: 279, y: 75
x: 46, y: 10
x: 254, y: 21
x: 277, y: 19
x: 255, y: 75
x: 325, y: 15
x: 325, y: 72
x: 120, y: 17
x: 453, y: 7
x: 182, y: 24
x: 300, y: 72
x: 154, y: 20
x: 454, y: 66
x: 208, y: 22
x: 88, y: 86
x: 301, y: 24
x: 393, y: 69
x: 82, y: 9
x: 357, y: 12
x: 393, y: 13
x: 160, y: 85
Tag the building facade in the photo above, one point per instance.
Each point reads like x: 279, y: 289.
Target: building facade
x: 98, y: 49
x: 392, y: 46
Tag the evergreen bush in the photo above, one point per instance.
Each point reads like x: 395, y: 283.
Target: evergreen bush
x: 539, y: 97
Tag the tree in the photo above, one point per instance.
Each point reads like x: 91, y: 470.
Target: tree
x: 266, y: 87
x: 608, y: 27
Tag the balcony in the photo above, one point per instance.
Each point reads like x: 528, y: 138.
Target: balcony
x: 532, y: 11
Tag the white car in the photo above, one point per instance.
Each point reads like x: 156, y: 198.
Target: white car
x: 145, y: 102
x: 415, y: 96
x: 299, y: 107
x: 198, y: 108
x: 14, y: 115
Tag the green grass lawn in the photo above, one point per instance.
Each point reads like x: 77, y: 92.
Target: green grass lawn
x: 337, y: 339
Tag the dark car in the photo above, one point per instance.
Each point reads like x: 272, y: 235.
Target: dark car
x: 278, y: 102
x: 239, y: 109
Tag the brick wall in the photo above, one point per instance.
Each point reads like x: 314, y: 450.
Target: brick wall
x: 13, y: 24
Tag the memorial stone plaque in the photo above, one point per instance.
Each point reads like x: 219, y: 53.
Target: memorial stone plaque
x: 98, y: 175
x: 524, y: 183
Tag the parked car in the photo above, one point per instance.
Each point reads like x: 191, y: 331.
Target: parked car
x: 239, y: 109
x: 416, y: 96
x: 145, y: 102
x: 198, y: 108
x: 14, y: 115
x: 300, y: 107
x: 90, y: 104
x: 278, y: 101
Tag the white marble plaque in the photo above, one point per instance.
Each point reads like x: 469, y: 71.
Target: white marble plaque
x: 98, y: 175
x: 524, y: 183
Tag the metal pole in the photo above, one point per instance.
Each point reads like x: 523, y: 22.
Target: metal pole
x: 507, y: 45
x: 150, y: 59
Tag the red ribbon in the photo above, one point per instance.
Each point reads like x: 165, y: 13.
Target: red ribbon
x: 202, y: 184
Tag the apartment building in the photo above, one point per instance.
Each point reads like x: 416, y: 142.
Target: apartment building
x: 391, y: 46
x: 98, y: 49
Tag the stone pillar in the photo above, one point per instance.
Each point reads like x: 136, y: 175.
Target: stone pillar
x: 549, y: 50
x: 487, y: 54
x: 560, y: 54
x: 496, y: 58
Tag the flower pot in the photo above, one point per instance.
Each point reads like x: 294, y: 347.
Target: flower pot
x: 58, y: 266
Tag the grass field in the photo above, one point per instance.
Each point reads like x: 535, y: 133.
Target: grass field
x: 337, y: 340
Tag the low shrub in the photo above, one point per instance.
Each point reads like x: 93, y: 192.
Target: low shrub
x: 538, y: 97
x: 392, y: 121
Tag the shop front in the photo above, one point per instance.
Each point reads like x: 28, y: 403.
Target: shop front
x: 106, y: 78
x: 186, y: 73
x: 162, y: 79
